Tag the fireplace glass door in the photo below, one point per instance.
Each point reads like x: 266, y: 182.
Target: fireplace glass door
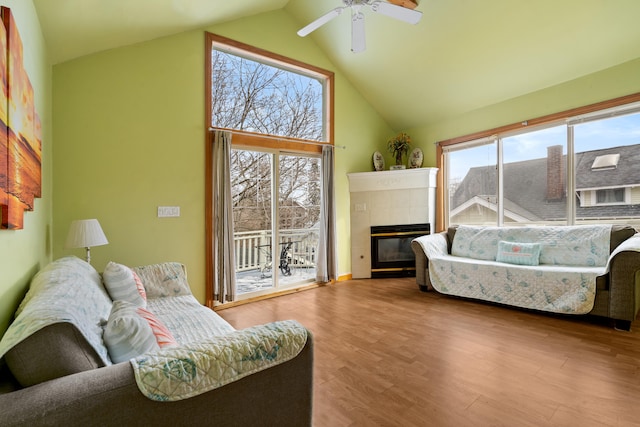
x: 391, y: 253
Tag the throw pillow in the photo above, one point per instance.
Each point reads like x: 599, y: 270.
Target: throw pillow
x: 518, y: 253
x: 123, y: 284
x: 127, y: 334
x: 139, y: 286
x: 164, y: 337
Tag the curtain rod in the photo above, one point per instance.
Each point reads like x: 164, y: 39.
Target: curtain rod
x: 278, y: 138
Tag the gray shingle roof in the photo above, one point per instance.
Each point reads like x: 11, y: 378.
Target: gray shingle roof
x: 627, y: 173
x: 525, y: 185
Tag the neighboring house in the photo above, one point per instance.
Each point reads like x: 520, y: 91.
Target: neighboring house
x: 607, y: 188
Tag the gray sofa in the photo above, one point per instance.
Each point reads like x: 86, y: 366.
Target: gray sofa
x: 617, y: 294
x: 58, y: 373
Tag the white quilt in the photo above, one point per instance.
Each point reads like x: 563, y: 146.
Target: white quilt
x: 52, y: 298
x: 561, y: 245
x: 547, y: 287
x: 557, y: 289
x: 187, y: 319
x: 179, y: 373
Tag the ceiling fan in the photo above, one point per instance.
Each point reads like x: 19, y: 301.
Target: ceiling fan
x: 358, y: 43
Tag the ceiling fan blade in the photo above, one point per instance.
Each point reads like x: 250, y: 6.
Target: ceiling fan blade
x: 358, y: 39
x: 321, y: 21
x: 397, y: 12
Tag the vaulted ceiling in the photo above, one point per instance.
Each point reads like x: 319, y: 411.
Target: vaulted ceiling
x: 463, y: 55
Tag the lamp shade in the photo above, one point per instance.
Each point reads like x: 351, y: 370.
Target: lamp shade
x: 85, y: 233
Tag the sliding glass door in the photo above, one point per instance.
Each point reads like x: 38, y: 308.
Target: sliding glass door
x: 276, y: 238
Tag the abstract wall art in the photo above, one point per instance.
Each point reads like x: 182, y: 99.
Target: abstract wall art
x: 20, y: 131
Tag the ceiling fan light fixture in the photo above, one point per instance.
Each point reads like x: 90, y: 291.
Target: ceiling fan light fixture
x: 358, y: 42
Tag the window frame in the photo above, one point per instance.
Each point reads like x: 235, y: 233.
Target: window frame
x: 626, y: 196
x: 251, y: 139
x: 578, y: 115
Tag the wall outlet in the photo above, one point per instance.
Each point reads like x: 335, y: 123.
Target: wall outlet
x: 168, y: 211
x: 361, y: 207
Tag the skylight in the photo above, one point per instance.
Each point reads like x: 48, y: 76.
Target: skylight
x: 607, y: 161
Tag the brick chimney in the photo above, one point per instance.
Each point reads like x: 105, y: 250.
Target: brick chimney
x: 555, y: 174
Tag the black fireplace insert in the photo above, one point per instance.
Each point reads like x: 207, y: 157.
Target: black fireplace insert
x: 391, y: 254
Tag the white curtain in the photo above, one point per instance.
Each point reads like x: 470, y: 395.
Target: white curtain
x: 224, y: 279
x: 327, y: 263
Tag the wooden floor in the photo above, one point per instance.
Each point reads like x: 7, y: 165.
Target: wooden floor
x: 387, y: 354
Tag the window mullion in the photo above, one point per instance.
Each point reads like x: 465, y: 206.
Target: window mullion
x: 447, y: 191
x: 275, y: 215
x: 500, y: 183
x: 571, y: 177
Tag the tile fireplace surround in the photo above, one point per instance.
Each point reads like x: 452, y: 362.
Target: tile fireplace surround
x: 387, y: 198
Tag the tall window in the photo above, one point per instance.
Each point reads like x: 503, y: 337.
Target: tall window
x: 279, y: 111
x: 581, y: 168
x: 255, y: 94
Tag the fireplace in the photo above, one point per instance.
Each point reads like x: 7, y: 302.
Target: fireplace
x: 382, y: 198
x: 391, y: 253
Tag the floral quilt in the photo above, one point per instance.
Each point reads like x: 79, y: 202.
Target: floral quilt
x: 181, y: 372
x: 474, y: 273
x: 558, y: 289
x: 52, y: 299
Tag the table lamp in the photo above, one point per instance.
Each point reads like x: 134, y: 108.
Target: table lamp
x: 85, y: 233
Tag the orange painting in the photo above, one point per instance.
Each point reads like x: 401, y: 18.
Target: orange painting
x: 4, y: 103
x: 22, y: 150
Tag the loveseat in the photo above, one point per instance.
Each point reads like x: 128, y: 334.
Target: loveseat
x: 561, y: 269
x: 134, y: 347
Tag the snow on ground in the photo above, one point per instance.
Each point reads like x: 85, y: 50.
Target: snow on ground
x: 254, y: 280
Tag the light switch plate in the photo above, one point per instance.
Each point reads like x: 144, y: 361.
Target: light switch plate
x: 168, y: 211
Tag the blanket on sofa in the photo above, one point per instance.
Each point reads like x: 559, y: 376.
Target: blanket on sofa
x: 545, y: 287
x: 50, y: 299
x: 565, y: 282
x: 586, y: 245
x: 181, y: 372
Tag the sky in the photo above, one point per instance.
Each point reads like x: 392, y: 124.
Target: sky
x: 611, y: 132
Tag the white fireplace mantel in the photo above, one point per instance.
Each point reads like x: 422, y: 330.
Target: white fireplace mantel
x: 402, y: 179
x: 387, y: 198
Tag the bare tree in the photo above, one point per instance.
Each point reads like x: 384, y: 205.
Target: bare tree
x: 248, y: 95
x: 251, y: 96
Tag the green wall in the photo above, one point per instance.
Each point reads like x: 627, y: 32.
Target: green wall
x: 23, y: 252
x: 129, y: 126
x: 129, y: 132
x: 607, y: 84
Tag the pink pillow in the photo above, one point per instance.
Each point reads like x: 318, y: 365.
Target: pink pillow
x: 139, y: 285
x: 164, y: 337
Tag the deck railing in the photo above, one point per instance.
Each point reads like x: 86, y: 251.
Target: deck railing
x: 253, y: 248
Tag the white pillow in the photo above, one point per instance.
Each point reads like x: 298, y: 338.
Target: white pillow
x: 123, y: 284
x: 127, y: 334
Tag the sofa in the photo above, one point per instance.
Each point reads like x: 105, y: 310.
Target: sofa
x: 577, y: 270
x: 132, y: 346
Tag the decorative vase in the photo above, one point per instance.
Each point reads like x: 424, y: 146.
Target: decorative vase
x: 399, y: 164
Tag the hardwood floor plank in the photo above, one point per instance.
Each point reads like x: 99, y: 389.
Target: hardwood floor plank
x: 387, y: 354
